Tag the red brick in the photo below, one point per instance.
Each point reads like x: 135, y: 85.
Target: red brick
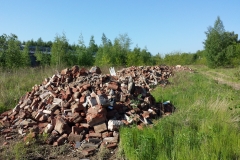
x: 77, y: 130
x: 93, y: 135
x: 105, y: 134
x: 88, y: 152
x: 112, y: 145
x: 65, y: 71
x: 5, y: 131
x: 60, y: 140
x: 86, y: 86
x: 8, y: 138
x: 5, y: 143
x: 75, y: 89
x: 113, y: 85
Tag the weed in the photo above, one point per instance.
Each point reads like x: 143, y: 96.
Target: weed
x: 19, y: 151
x: 103, y: 153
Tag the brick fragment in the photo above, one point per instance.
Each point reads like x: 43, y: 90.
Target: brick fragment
x: 75, y: 137
x: 60, y: 140
x: 100, y: 127
x: 110, y: 140
x: 88, y: 152
x: 112, y: 145
x: 61, y: 126
x: 113, y: 85
x: 5, y: 143
x: 94, y: 135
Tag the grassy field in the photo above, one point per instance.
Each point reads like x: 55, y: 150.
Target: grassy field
x: 206, y: 124
x: 15, y: 83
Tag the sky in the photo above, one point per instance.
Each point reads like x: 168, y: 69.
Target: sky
x: 161, y: 26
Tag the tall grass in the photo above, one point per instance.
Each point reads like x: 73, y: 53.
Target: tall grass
x: 205, y: 125
x: 17, y: 82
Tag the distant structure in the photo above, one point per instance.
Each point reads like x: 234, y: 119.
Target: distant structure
x: 32, y: 50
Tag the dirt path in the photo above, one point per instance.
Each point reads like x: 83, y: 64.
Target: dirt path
x: 221, y: 79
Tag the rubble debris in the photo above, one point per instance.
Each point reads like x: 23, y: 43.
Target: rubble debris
x: 87, y: 108
x: 182, y: 68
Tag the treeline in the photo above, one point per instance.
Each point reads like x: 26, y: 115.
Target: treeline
x: 221, y: 48
x: 15, y: 54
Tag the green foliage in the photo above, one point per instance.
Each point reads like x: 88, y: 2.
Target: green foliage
x: 179, y: 58
x: 157, y: 59
x: 202, y: 128
x: 219, y: 51
x: 59, y: 50
x: 199, y: 58
x: 43, y: 57
x: 17, y: 82
x: 19, y: 151
x: 13, y: 54
x: 104, y: 56
x: 3, y: 49
x: 92, y: 48
x: 139, y: 57
x: 84, y: 57
x: 25, y: 56
x: 113, y: 54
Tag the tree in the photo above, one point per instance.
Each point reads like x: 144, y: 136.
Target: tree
x: 25, y: 58
x: 104, y: 39
x: 13, y: 55
x: 59, y: 50
x: 92, y: 48
x: 216, y: 44
x: 84, y: 57
x: 40, y: 42
x: 120, y: 49
x: 133, y: 57
x: 157, y: 59
x: 103, y: 56
x: 3, y: 49
x: 42, y: 57
x: 48, y: 44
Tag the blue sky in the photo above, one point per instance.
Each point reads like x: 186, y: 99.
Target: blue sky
x: 163, y: 26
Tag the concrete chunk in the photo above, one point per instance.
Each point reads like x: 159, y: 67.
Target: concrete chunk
x: 100, y: 128
x: 61, y: 126
x: 114, y: 124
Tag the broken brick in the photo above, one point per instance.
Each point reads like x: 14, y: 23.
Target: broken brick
x: 61, y: 126
x: 88, y: 152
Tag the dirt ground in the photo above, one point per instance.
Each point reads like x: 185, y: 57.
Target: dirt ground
x: 221, y: 79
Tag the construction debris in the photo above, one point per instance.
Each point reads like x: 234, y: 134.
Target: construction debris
x: 86, y: 108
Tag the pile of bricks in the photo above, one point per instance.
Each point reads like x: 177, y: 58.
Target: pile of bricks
x: 86, y: 108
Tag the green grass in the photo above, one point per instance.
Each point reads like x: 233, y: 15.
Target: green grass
x: 205, y: 125
x: 230, y: 74
x: 16, y: 83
